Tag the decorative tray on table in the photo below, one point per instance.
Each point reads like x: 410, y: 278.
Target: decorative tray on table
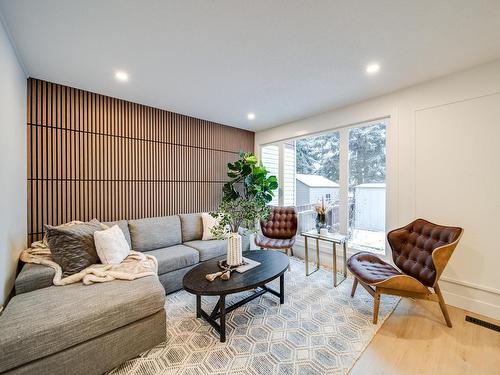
x: 247, y: 264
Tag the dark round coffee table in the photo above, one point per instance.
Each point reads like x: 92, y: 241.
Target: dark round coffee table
x: 273, y: 264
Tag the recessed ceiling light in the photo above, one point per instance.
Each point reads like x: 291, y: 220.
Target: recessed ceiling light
x: 251, y: 116
x: 121, y: 76
x: 372, y: 68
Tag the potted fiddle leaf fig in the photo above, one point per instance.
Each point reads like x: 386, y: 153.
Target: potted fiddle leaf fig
x: 244, y: 202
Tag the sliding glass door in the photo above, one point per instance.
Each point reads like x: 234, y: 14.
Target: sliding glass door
x: 346, y: 170
x: 317, y: 179
x: 366, y: 194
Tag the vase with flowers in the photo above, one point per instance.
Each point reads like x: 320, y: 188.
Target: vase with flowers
x: 322, y: 210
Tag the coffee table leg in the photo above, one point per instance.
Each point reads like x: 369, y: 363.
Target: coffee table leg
x: 282, y: 289
x: 198, y: 306
x: 222, y: 308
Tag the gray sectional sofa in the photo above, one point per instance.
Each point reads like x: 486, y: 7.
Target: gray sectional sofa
x: 80, y: 329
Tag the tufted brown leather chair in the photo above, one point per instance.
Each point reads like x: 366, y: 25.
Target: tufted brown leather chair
x: 279, y: 230
x: 420, y: 251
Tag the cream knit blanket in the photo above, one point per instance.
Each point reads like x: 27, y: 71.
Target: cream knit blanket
x: 134, y: 266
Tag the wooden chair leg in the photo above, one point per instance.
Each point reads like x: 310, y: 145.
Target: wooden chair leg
x: 291, y: 251
x: 354, y: 286
x: 376, y: 304
x: 442, y: 304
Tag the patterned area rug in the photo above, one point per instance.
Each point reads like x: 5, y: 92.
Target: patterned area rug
x: 319, y: 330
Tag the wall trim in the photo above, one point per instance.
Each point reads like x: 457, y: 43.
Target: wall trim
x: 467, y: 284
x: 415, y: 139
x: 471, y: 300
x: 473, y: 305
x: 463, y: 100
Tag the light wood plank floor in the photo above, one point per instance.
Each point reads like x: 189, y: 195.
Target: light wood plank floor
x: 415, y: 340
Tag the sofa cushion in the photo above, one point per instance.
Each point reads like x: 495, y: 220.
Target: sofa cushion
x: 174, y: 257
x: 274, y: 243
x: 209, y: 223
x: 155, y: 232
x: 123, y: 224
x: 192, y: 227
x: 172, y: 281
x: 48, y: 320
x: 72, y: 245
x: 209, y: 249
x: 33, y: 277
x: 111, y: 245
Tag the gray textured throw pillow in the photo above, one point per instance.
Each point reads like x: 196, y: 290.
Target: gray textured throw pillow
x: 72, y: 246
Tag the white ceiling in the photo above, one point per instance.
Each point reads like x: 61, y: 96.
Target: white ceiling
x: 219, y: 59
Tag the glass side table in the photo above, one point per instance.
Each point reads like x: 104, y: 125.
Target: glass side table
x: 334, y: 239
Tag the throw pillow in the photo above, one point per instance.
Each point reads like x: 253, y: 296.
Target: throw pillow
x: 111, y: 245
x: 208, y: 223
x: 72, y: 246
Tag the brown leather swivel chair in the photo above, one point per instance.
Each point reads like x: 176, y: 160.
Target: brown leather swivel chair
x: 279, y: 230
x: 421, y: 251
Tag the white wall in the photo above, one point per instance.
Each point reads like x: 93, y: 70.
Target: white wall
x: 442, y: 164
x: 12, y: 163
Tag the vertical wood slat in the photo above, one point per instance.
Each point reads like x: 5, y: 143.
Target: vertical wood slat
x: 92, y: 156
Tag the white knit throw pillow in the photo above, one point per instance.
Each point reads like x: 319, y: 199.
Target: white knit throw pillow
x: 208, y: 223
x: 111, y: 245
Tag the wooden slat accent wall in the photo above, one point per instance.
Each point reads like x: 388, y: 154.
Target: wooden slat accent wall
x: 93, y: 156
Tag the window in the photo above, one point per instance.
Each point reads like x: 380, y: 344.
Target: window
x: 346, y: 169
x: 317, y: 179
x: 367, y: 187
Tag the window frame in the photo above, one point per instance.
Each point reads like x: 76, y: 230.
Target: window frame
x: 390, y: 180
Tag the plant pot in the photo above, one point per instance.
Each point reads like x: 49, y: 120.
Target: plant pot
x: 234, y: 252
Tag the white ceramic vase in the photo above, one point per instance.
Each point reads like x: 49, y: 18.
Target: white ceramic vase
x: 234, y: 253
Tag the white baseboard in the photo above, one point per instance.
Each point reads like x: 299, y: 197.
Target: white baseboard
x: 471, y: 299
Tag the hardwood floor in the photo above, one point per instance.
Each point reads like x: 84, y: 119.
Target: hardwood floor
x: 416, y: 340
